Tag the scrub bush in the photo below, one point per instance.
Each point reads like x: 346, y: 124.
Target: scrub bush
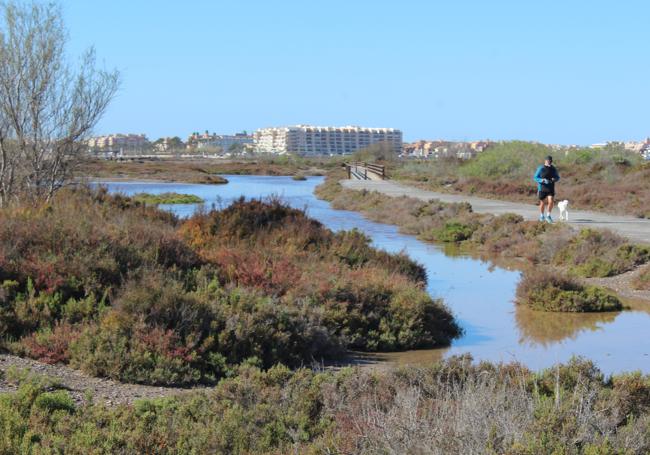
x: 552, y: 291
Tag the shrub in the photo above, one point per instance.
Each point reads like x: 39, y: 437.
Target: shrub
x: 50, y: 345
x: 133, y: 351
x: 454, y: 231
x: 85, y: 243
x: 59, y: 400
x: 601, y: 254
x: 544, y: 290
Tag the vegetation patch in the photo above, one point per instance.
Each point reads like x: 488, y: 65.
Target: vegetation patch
x: 454, y: 231
x: 596, y: 253
x: 167, y: 198
x: 546, y: 290
x: 461, y: 407
x: 122, y: 289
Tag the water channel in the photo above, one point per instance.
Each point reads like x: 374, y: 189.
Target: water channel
x: 479, y: 293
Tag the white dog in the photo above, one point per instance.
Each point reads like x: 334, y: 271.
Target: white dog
x: 564, y: 212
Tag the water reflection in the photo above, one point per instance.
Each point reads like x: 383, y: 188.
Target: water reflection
x: 545, y: 328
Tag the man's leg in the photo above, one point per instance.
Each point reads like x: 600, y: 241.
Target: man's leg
x: 541, y: 209
x: 550, y: 204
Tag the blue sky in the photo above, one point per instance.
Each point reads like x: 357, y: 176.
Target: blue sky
x: 572, y: 72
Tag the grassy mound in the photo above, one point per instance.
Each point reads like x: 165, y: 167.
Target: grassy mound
x: 121, y: 289
x: 167, y: 198
x: 544, y: 290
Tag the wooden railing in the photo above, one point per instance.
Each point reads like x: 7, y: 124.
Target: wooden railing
x: 361, y: 170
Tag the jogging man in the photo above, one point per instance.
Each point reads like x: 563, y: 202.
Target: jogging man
x: 546, y: 176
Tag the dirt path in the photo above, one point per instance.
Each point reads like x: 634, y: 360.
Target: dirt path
x: 79, y: 384
x: 636, y: 229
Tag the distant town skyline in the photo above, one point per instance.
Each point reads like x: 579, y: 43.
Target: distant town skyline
x: 554, y: 72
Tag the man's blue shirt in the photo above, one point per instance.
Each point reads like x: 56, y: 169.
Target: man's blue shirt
x: 538, y: 176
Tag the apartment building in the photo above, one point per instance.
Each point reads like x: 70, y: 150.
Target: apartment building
x: 323, y: 140
x: 118, y: 142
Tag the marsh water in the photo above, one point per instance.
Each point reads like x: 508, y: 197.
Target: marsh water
x: 479, y: 293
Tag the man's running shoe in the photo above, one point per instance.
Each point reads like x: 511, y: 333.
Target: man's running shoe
x: 549, y: 219
x: 542, y: 218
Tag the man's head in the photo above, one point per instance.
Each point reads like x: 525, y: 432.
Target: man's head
x: 548, y: 160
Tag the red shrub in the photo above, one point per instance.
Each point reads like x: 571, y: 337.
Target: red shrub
x: 51, y: 345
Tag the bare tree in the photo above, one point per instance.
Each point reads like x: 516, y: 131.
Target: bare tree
x: 47, y: 107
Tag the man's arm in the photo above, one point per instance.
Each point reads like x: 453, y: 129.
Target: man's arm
x: 556, y: 178
x: 537, y: 177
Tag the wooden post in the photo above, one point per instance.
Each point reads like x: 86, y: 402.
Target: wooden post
x: 349, y: 168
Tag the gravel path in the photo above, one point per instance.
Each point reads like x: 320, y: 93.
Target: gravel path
x: 635, y: 229
x: 622, y: 284
x: 79, y: 384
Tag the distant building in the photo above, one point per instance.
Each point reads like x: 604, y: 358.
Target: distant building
x: 444, y: 149
x: 220, y: 141
x: 639, y: 147
x: 118, y: 143
x: 324, y: 140
x: 425, y: 149
x: 166, y: 144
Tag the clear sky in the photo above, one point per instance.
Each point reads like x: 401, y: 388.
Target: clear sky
x: 571, y: 72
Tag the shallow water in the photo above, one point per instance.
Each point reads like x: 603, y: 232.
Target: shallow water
x: 480, y: 294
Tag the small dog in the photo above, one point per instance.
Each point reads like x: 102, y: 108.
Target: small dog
x: 564, y: 212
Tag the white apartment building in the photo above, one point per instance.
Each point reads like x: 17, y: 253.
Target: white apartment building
x: 323, y: 140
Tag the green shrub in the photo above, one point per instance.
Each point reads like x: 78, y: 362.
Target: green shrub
x: 453, y: 231
x: 167, y: 198
x: 594, y: 253
x: 59, y: 400
x: 545, y: 290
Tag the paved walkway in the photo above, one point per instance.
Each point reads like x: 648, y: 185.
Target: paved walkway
x: 635, y: 229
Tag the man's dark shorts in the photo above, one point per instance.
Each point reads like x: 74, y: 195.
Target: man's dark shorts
x: 543, y: 194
